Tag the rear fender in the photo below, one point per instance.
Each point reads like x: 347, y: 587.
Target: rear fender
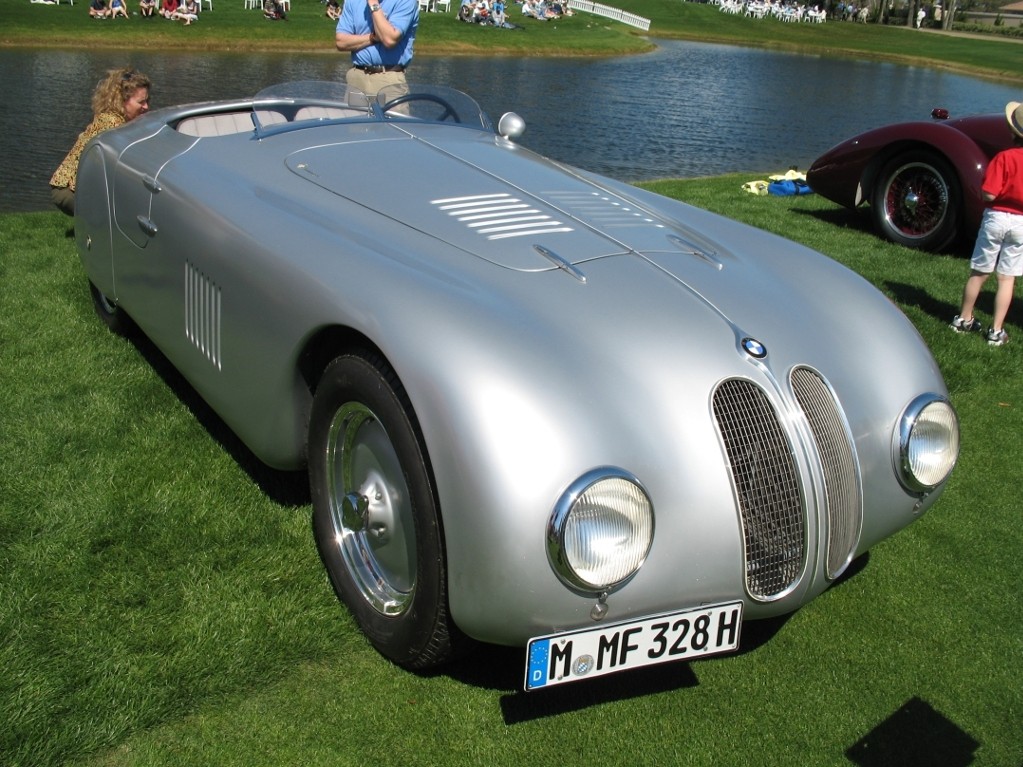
x: 93, y: 224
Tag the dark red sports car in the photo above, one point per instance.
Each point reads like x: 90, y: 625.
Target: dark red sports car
x: 921, y: 179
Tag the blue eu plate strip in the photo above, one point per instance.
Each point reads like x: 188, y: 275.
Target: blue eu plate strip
x: 539, y: 652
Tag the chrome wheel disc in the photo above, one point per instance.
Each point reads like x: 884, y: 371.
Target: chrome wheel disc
x: 370, y: 508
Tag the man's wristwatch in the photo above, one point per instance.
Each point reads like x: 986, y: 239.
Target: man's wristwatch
x: 374, y: 7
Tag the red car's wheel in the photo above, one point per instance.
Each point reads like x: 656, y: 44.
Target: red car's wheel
x: 917, y: 201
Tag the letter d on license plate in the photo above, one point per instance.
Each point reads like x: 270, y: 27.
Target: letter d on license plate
x: 568, y: 657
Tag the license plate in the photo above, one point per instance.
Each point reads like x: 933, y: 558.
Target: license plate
x: 587, y: 653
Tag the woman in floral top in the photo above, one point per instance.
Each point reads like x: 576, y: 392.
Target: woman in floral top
x: 120, y: 97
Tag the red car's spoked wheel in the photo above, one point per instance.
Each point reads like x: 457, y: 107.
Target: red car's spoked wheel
x: 916, y: 201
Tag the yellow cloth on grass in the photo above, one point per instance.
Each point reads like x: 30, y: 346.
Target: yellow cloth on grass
x: 760, y: 187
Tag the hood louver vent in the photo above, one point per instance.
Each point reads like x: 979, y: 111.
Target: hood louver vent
x: 499, y: 216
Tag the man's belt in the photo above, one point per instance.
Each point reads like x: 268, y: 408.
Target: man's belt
x: 378, y: 70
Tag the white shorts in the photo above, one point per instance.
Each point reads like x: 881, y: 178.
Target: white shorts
x: 999, y: 244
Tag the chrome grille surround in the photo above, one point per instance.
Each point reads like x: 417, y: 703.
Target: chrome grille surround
x: 766, y: 485
x: 843, y: 500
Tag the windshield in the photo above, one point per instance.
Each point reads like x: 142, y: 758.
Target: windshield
x: 319, y: 100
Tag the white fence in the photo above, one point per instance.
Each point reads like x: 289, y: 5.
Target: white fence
x: 611, y: 13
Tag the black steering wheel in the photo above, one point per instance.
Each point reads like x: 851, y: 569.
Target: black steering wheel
x: 448, y: 110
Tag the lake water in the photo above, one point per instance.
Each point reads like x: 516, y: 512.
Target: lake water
x: 686, y: 110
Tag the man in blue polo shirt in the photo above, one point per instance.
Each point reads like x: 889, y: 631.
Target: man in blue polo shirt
x: 379, y: 35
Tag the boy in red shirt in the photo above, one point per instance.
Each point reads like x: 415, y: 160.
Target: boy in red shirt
x: 1000, y: 240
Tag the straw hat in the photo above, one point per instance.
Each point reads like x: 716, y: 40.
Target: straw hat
x: 1014, y: 114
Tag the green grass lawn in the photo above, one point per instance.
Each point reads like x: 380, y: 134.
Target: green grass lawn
x: 162, y: 602
x: 231, y: 27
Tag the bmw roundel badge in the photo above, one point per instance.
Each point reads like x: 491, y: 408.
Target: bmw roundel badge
x: 754, y: 348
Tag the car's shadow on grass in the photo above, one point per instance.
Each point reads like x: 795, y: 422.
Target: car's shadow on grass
x: 911, y: 295
x: 857, y: 219
x: 503, y: 669
x: 287, y: 488
x: 860, y: 220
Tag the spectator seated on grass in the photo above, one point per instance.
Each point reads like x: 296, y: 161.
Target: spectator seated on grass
x: 147, y: 8
x: 187, y: 12
x: 273, y: 11
x: 117, y: 8
x: 529, y: 9
x: 539, y: 10
x: 98, y: 9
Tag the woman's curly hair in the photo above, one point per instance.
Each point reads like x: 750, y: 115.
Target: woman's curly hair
x: 116, y: 88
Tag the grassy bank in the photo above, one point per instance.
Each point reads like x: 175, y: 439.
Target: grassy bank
x: 162, y: 603
x: 230, y: 27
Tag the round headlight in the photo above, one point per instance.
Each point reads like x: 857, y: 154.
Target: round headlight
x: 601, y: 530
x: 928, y: 443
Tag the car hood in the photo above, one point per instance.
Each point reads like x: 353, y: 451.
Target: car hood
x: 743, y: 277
x: 477, y: 199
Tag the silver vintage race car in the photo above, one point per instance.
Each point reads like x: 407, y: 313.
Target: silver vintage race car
x: 538, y: 407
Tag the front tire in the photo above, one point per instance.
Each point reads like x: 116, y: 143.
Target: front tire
x: 917, y: 201
x: 375, y: 514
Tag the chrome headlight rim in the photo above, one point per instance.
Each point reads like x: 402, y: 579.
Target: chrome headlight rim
x: 557, y: 554
x: 907, y: 435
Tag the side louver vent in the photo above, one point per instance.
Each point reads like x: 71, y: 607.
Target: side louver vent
x: 202, y: 314
x: 838, y: 465
x: 766, y: 486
